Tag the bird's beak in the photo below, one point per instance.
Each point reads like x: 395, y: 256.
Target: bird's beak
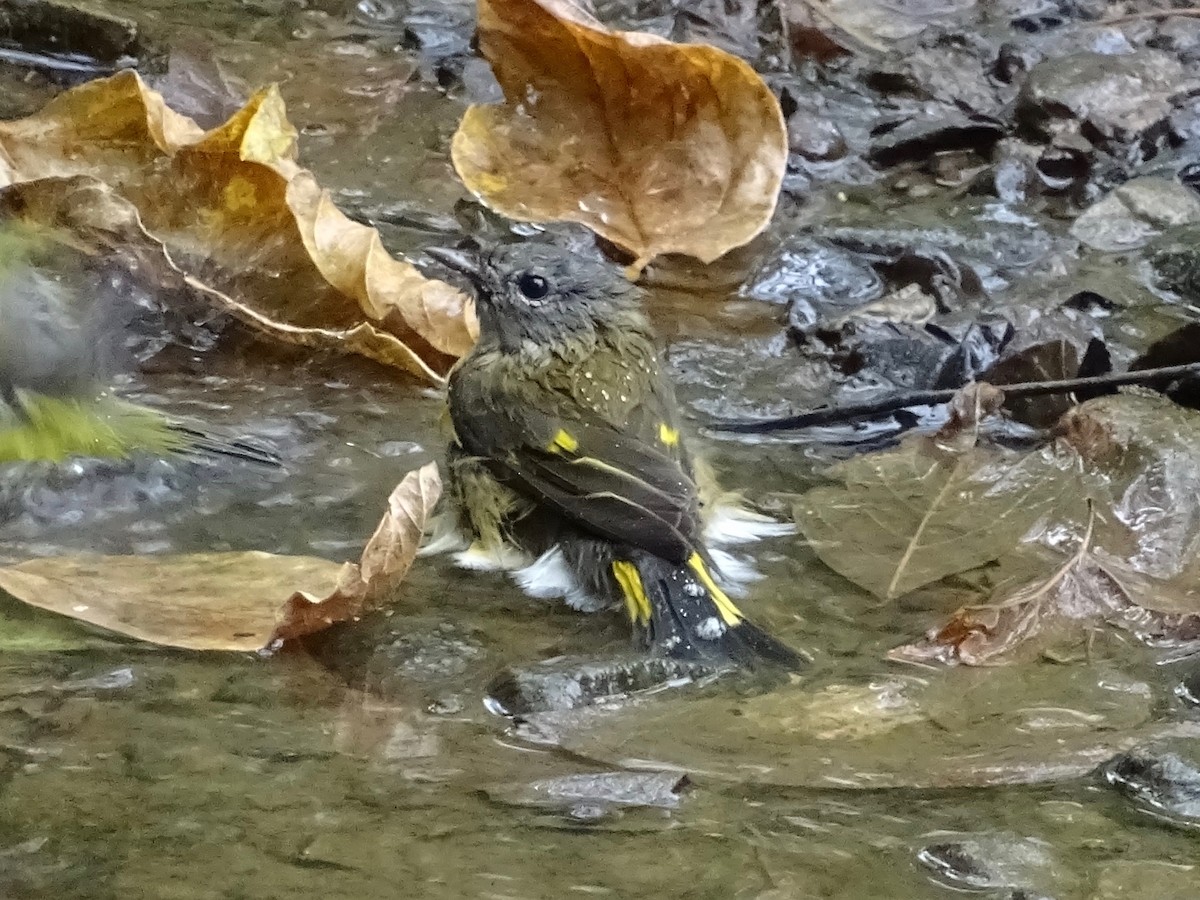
x: 462, y: 261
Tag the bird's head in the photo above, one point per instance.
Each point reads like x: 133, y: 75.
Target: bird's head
x: 539, y: 293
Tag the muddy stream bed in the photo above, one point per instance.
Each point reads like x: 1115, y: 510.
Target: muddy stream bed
x: 380, y: 764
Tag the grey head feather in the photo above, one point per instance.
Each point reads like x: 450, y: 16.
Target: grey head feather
x: 539, y: 294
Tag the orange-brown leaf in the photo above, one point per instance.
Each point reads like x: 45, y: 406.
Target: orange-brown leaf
x: 239, y: 216
x: 659, y: 147
x: 231, y: 601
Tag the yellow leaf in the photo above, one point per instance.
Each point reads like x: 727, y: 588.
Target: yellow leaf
x: 238, y: 216
x: 659, y: 147
x: 231, y: 601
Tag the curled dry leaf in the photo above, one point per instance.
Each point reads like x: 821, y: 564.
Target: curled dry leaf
x: 237, y: 214
x: 658, y: 147
x: 231, y: 601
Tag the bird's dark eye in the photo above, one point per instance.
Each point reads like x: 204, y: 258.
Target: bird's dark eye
x: 534, y: 287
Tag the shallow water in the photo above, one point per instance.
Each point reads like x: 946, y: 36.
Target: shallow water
x: 374, y: 766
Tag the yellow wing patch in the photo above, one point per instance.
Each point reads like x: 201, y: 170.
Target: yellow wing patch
x: 634, y: 592
x: 563, y: 442
x: 731, y: 615
x: 668, y: 435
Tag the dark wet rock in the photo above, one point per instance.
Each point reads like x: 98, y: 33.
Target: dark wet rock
x: 918, y: 139
x: 1164, y: 784
x: 807, y: 40
x: 1189, y: 175
x: 592, y: 794
x: 829, y: 128
x: 944, y: 353
x: 993, y: 244
x: 1129, y: 216
x: 1036, y: 16
x: 1010, y: 64
x: 565, y: 684
x: 1048, y: 361
x: 732, y: 25
x: 815, y: 277
x: 1097, y: 360
x: 977, y: 345
x: 924, y: 263
x: 952, y: 69
x: 815, y: 138
x: 1113, y: 100
x: 66, y: 38
x: 419, y: 661
x: 1188, y: 688
x: 1062, y: 168
x: 1179, y: 35
x: 988, y: 862
x: 1178, y: 348
x: 1175, y: 260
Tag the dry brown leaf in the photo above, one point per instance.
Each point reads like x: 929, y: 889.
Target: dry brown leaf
x: 231, y: 601
x: 385, y: 560
x: 659, y: 147
x: 239, y: 216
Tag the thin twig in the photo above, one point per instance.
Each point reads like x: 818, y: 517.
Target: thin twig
x: 1190, y: 13
x: 831, y: 415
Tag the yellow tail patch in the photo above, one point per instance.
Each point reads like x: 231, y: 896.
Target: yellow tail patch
x: 562, y: 442
x: 668, y: 435
x: 636, y: 601
x: 729, y: 612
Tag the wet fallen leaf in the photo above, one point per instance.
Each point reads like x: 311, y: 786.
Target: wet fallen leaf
x: 235, y: 213
x: 659, y: 147
x: 1134, y: 877
x: 1083, y: 591
x: 1130, y: 564
x: 231, y: 601
x: 1040, y: 724
x: 907, y: 517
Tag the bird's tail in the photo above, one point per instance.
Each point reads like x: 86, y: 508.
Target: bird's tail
x: 682, y: 611
x: 37, y: 427
x: 202, y: 441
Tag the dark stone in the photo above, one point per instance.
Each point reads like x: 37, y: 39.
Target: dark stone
x: 916, y: 140
x: 1179, y: 348
x: 564, y: 684
x: 815, y: 138
x: 1112, y: 100
x: 66, y: 38
x: 1164, y: 784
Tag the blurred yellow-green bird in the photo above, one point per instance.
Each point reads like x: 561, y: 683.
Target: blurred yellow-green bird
x: 61, y: 344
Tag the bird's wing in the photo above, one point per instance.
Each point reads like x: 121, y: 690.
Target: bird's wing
x: 606, y: 480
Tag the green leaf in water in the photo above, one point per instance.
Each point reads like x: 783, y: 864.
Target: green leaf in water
x: 910, y: 516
